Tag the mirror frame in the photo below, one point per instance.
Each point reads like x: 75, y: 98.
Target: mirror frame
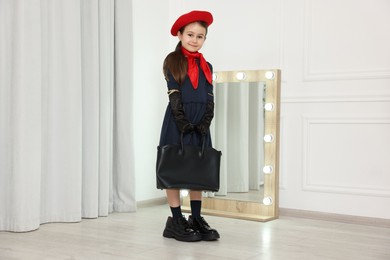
x: 250, y: 210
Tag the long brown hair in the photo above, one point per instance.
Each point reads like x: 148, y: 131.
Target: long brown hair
x: 176, y: 62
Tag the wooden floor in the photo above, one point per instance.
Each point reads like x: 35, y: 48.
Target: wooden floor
x: 139, y: 236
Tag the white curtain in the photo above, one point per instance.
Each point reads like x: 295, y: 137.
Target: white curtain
x: 238, y: 127
x: 65, y: 111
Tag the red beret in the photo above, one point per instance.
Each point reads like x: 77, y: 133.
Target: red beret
x: 191, y: 17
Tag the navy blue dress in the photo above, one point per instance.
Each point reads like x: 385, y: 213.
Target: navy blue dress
x: 194, y: 104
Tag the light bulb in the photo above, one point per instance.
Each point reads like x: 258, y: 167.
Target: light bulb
x: 268, y: 138
x: 269, y: 75
x: 269, y: 106
x: 268, y: 169
x: 184, y: 193
x: 240, y: 75
x: 267, y: 201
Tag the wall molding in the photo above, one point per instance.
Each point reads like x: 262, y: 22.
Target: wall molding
x: 310, y: 120
x: 347, y: 74
x: 282, y: 46
x: 368, y: 221
x: 282, y: 166
x: 335, y: 99
x: 152, y: 202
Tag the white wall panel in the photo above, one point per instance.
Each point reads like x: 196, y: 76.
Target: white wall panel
x: 244, y: 35
x: 338, y: 154
x: 347, y: 39
x: 338, y: 88
x: 282, y: 144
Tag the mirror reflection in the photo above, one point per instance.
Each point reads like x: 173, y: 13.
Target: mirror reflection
x: 246, y: 129
x: 238, y: 132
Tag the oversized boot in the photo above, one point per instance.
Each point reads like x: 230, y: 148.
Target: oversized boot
x: 180, y: 230
x: 200, y: 225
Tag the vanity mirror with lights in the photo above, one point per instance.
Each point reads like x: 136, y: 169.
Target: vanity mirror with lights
x: 246, y: 129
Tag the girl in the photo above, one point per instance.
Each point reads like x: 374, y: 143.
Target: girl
x: 190, y: 111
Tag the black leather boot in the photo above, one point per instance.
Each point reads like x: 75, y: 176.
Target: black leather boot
x: 200, y: 224
x: 180, y: 230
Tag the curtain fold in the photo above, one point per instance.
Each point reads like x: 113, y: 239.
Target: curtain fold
x: 63, y: 132
x: 61, y: 144
x: 256, y: 133
x: 237, y: 143
x: 239, y: 127
x: 220, y: 132
x: 123, y: 119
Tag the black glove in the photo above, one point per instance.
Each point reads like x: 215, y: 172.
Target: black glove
x: 204, y: 125
x: 182, y: 122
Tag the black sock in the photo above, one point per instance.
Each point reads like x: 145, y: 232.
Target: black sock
x: 196, y: 206
x: 176, y: 212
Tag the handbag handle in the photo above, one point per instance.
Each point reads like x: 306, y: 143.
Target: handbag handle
x: 202, y: 145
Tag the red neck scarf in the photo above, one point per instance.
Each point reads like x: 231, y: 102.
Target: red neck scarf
x: 193, y: 69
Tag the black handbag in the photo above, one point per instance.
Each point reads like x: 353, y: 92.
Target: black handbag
x: 189, y: 167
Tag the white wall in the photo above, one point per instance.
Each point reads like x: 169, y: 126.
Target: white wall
x: 336, y: 107
x: 335, y: 62
x: 243, y: 34
x: 151, y: 45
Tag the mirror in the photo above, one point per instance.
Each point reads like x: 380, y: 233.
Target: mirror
x: 246, y: 129
x: 238, y: 131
